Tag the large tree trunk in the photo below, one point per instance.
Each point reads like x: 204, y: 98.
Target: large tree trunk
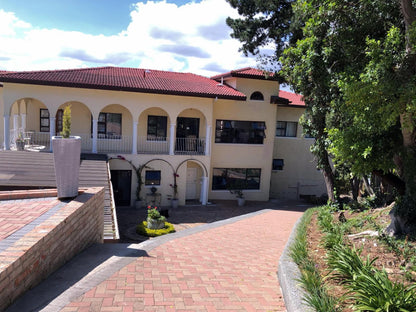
x: 328, y: 177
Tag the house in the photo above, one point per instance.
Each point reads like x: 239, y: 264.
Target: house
x: 201, y: 134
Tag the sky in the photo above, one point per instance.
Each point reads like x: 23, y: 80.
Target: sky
x: 172, y: 35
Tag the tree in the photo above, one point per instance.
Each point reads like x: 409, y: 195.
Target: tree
x: 324, y: 41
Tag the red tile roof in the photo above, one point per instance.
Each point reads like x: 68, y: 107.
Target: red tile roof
x: 128, y: 79
x: 294, y: 99
x: 248, y: 72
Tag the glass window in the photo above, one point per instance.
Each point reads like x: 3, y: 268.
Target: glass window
x: 109, y: 126
x: 157, y: 128
x: 225, y: 178
x: 278, y: 164
x: 152, y: 177
x: 286, y: 128
x: 44, y: 120
x: 257, y: 96
x: 243, y: 132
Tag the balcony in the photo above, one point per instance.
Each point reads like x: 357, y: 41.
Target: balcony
x: 40, y: 141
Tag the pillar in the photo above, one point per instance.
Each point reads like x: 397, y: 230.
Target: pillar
x: 208, y: 140
x: 94, y: 135
x: 51, y: 131
x: 6, y: 127
x: 172, y: 139
x: 134, y: 145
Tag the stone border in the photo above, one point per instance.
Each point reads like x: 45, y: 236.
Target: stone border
x: 288, y: 273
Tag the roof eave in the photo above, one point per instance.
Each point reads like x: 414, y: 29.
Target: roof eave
x: 126, y: 89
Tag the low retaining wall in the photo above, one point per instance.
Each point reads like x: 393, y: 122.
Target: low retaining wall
x: 75, y: 226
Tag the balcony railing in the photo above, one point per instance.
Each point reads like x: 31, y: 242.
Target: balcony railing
x: 122, y: 144
x: 190, y: 146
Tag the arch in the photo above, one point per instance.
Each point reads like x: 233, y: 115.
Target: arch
x: 257, y: 96
x: 194, y: 160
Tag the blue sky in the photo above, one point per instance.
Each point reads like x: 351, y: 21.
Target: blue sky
x: 166, y: 35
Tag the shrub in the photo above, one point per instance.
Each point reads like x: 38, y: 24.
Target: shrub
x: 143, y: 230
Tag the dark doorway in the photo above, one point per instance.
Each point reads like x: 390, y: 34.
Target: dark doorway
x: 121, y: 180
x: 187, y: 134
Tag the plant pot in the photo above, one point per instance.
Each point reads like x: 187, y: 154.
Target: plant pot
x: 20, y: 145
x: 174, y: 203
x: 155, y: 224
x: 66, y: 155
x: 241, y: 201
x: 139, y: 204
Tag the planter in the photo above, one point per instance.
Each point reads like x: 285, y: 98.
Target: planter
x: 66, y: 155
x: 139, y: 204
x: 155, y: 224
x: 20, y: 145
x: 241, y: 201
x: 174, y: 203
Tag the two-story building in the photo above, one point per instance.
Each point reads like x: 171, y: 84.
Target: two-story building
x: 206, y: 134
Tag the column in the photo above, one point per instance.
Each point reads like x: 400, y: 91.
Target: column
x: 172, y: 139
x: 208, y: 140
x: 15, y: 123
x: 23, y: 117
x: 204, y: 190
x: 6, y: 128
x: 51, y: 131
x: 94, y: 135
x: 134, y: 145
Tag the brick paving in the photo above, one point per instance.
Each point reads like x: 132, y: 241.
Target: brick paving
x: 14, y: 215
x: 228, y: 268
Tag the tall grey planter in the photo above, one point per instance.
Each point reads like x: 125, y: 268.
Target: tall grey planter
x: 67, y: 156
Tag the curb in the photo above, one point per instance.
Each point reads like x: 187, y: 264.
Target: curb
x: 288, y: 273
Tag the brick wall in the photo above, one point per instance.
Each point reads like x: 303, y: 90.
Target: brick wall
x: 49, y: 245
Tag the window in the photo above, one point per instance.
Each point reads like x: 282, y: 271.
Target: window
x: 278, y: 164
x: 152, y: 177
x: 244, y: 132
x: 286, y: 128
x: 257, y: 96
x: 59, y: 121
x: 44, y: 120
x: 156, y: 128
x: 109, y: 126
x: 224, y: 178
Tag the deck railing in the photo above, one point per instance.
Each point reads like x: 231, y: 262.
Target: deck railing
x: 116, y: 144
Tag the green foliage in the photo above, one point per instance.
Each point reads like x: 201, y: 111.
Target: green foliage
x: 143, y: 230
x: 375, y: 292
x: 310, y: 279
x: 66, y: 126
x: 154, y: 214
x: 346, y: 263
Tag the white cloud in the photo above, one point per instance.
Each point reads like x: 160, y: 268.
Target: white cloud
x: 192, y: 38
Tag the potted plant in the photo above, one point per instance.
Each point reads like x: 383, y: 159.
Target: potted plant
x: 237, y: 189
x: 20, y: 142
x: 67, y: 155
x: 154, y: 219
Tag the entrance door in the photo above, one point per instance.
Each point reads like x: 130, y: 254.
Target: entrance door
x: 187, y: 134
x: 191, y: 183
x: 121, y: 180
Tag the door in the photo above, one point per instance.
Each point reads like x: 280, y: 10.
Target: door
x: 59, y: 121
x: 191, y: 183
x: 121, y: 180
x: 187, y: 134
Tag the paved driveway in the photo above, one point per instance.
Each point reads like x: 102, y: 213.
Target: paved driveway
x: 223, y: 266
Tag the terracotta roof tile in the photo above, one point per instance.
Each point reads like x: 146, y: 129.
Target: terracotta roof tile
x: 247, y: 72
x: 127, y: 79
x: 294, y: 99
